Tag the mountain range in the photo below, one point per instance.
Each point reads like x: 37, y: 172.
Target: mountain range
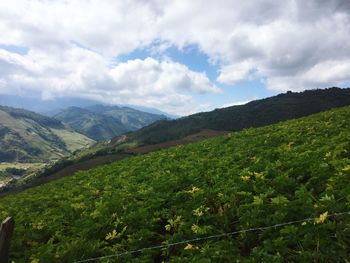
x: 26, y: 136
x: 60, y: 136
x: 102, y: 122
x: 278, y: 193
x: 53, y: 106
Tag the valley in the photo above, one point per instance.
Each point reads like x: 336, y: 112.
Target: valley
x: 167, y: 133
x: 174, y: 131
x: 100, y: 122
x: 32, y: 143
x: 253, y: 178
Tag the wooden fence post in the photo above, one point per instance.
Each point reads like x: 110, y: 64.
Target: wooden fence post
x: 6, y: 231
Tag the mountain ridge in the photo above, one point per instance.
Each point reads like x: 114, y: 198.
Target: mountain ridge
x: 289, y: 106
x: 260, y: 178
x: 103, y: 122
x: 27, y: 136
x: 55, y: 105
x: 256, y: 113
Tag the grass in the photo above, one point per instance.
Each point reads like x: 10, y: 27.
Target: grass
x: 73, y: 140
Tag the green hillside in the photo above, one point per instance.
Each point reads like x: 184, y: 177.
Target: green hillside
x: 253, y: 114
x: 131, y: 118
x: 93, y: 125
x: 26, y: 136
x: 101, y: 122
x: 244, y: 180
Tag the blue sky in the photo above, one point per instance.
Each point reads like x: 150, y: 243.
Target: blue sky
x: 180, y: 57
x: 15, y: 49
x: 195, y: 60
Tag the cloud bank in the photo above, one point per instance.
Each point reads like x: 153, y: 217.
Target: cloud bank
x: 72, y: 47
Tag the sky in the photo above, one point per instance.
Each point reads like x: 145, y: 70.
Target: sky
x: 178, y: 56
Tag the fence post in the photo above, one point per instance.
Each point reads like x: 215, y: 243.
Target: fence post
x: 6, y: 231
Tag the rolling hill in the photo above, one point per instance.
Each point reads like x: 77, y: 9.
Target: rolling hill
x: 189, y: 129
x: 26, y: 136
x: 162, y: 134
x: 101, y: 122
x: 282, y: 191
x: 253, y: 114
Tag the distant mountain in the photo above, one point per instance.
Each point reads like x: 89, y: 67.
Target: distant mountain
x: 46, y: 107
x: 253, y: 114
x: 102, y: 122
x: 283, y: 189
x: 52, y: 107
x: 153, y: 110
x: 164, y: 134
x: 26, y: 136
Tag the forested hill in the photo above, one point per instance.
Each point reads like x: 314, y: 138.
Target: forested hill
x: 101, y: 122
x: 263, y: 179
x: 26, y: 136
x: 253, y: 114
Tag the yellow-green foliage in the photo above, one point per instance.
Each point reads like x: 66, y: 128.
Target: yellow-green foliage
x: 257, y: 177
x: 73, y: 140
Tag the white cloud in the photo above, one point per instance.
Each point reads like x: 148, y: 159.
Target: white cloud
x: 327, y: 73
x: 235, y: 72
x: 165, y: 85
x: 279, y: 41
x: 73, y: 46
x: 237, y: 103
x: 150, y: 76
x: 107, y: 26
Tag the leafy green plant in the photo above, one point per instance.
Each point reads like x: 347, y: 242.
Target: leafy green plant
x: 254, y: 178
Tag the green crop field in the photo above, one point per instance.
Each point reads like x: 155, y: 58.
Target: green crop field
x: 254, y: 178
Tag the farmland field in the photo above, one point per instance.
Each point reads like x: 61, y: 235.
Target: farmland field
x: 254, y: 178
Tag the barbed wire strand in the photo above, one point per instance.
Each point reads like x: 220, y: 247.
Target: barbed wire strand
x: 210, y: 237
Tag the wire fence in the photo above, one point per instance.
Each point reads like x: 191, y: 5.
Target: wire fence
x: 188, y: 241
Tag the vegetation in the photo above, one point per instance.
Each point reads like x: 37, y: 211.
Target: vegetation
x: 10, y: 173
x: 40, y: 119
x: 254, y: 114
x: 105, y: 122
x: 8, y: 167
x: 82, y: 159
x: 253, y: 178
x: 97, y: 121
x: 29, y: 137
